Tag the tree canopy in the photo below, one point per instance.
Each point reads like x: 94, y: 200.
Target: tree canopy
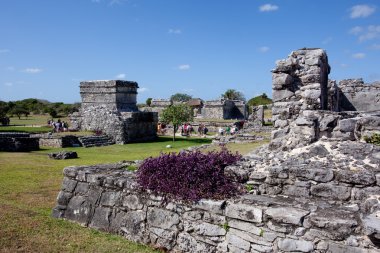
x: 260, y: 100
x: 177, y: 115
x: 233, y: 95
x: 180, y: 97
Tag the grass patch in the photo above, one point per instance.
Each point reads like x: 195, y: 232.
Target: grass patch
x: 30, y: 182
x: 34, y: 120
x: 42, y: 129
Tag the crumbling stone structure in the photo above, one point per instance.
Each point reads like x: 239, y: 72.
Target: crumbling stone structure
x: 224, y: 109
x: 110, y: 107
x: 18, y: 142
x: 304, y: 101
x: 355, y: 95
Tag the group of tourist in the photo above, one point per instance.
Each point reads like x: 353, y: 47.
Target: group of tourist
x: 58, y: 126
x: 161, y: 128
x: 186, y: 129
x: 228, y: 130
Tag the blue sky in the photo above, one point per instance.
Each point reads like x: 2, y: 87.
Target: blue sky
x: 197, y: 47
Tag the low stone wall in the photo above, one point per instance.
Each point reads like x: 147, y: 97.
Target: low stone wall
x: 305, y: 205
x: 18, y: 142
x: 60, y: 142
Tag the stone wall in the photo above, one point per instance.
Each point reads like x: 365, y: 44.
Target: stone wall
x: 18, y: 142
x: 60, y: 142
x: 224, y: 109
x: 304, y: 205
x: 355, y: 95
x: 110, y: 108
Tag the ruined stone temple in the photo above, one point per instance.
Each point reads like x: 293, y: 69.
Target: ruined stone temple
x: 109, y: 107
x: 314, y: 188
x: 224, y: 109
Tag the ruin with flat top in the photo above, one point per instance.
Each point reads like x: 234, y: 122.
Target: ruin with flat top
x: 109, y: 107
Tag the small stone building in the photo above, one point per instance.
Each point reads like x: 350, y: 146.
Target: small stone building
x: 109, y: 107
x: 224, y: 109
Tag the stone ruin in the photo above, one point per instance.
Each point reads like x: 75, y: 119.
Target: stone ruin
x: 307, y: 106
x: 315, y: 188
x: 110, y: 107
x: 224, y: 109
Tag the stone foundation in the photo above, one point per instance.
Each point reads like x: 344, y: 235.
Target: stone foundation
x: 18, y: 142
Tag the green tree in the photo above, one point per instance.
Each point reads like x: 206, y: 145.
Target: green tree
x: 233, y: 95
x: 180, y: 97
x: 4, y: 108
x: 177, y: 115
x: 148, y: 101
x: 19, y: 110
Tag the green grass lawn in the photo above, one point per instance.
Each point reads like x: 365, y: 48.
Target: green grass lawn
x: 30, y: 182
x: 33, y: 120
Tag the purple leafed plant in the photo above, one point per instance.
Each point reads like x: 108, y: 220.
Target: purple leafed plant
x: 189, y: 176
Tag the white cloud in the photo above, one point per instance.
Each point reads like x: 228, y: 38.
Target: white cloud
x: 8, y: 84
x: 264, y: 49
x: 175, y: 31
x: 32, y: 70
x: 372, y: 32
x: 3, y: 51
x: 121, y: 76
x: 142, y: 89
x: 268, y: 7
x: 356, y: 30
x: 358, y: 56
x: 361, y: 11
x: 368, y: 33
x: 184, y: 67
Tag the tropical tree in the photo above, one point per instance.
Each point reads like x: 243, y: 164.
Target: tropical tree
x: 177, y: 115
x: 233, y: 95
x: 19, y: 110
x: 180, y: 97
x: 148, y: 101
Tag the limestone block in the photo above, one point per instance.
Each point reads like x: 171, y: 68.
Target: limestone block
x: 245, y: 226
x: 311, y: 94
x: 292, y: 190
x: 290, y: 245
x: 372, y: 224
x: 323, y: 175
x: 340, y: 248
x: 244, y: 212
x: 281, y: 123
x: 301, y: 121
x: 279, y: 95
x: 79, y: 210
x: 337, y: 223
x: 286, y: 215
x: 313, y: 61
x: 68, y: 185
x: 347, y: 125
x: 364, y: 193
x: 163, y: 238
x: 132, y: 202
x: 208, y: 229
x: 313, y: 78
x: 162, y: 218
x: 279, y: 133
x: 238, y: 242
x: 331, y: 191
x: 109, y: 198
x: 361, y: 177
x: 187, y: 243
x: 100, y: 219
x: 214, y: 206
x: 249, y: 237
x: 281, y: 79
x: 64, y: 198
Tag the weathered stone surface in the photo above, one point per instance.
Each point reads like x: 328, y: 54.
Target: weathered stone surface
x: 208, y: 229
x: 361, y: 177
x: 287, y: 215
x: 290, y: 245
x: 238, y: 242
x: 279, y: 95
x: 244, y: 212
x: 162, y: 218
x: 331, y: 191
x: 133, y: 202
x: 63, y: 155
